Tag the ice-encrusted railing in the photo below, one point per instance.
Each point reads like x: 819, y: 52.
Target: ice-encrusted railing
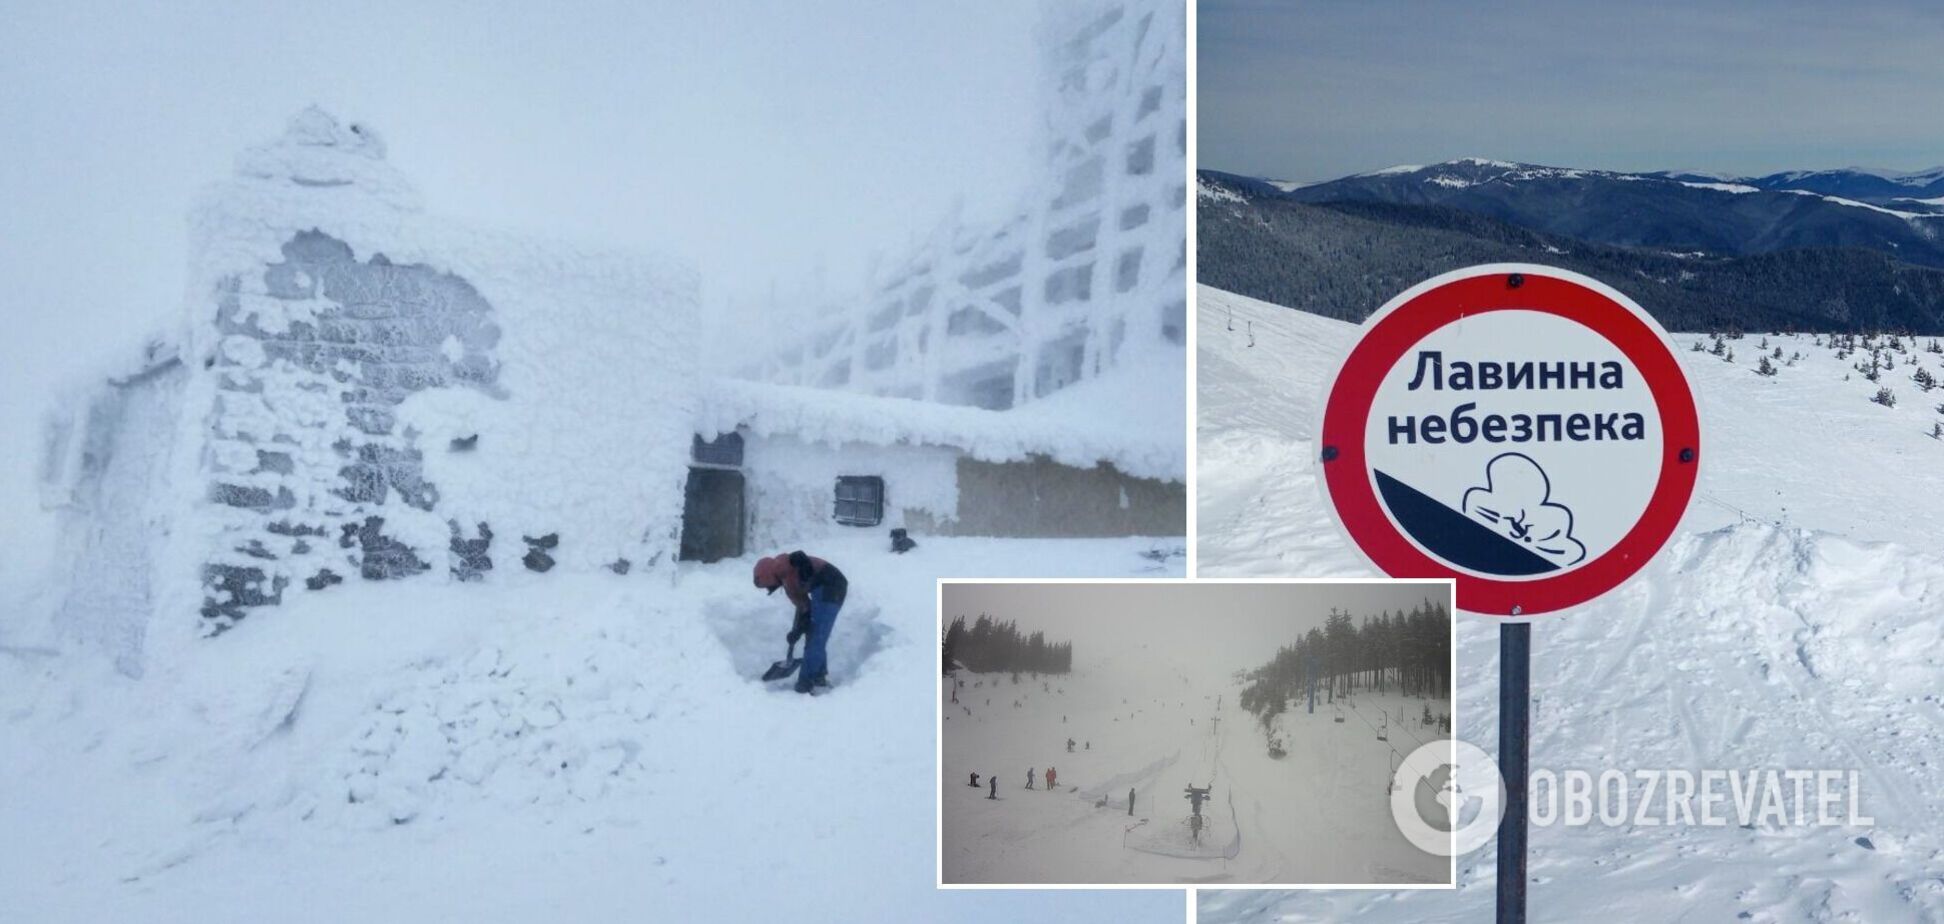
x: 1093, y: 262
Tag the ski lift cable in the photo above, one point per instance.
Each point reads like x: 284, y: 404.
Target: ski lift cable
x: 1400, y: 726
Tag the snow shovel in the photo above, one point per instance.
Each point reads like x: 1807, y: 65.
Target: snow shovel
x: 785, y: 667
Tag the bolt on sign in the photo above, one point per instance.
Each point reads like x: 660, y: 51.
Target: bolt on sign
x: 1524, y: 430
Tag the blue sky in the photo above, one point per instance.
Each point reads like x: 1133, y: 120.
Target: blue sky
x: 1303, y: 90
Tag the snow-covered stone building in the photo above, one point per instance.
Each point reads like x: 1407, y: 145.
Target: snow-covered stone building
x: 359, y: 390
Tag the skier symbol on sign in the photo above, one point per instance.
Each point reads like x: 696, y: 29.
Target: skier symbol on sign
x: 1516, y: 501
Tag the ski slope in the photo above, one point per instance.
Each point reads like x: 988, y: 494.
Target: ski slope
x: 538, y: 747
x: 1319, y: 815
x: 1793, y: 622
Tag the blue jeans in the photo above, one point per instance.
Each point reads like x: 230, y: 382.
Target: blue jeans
x: 823, y: 617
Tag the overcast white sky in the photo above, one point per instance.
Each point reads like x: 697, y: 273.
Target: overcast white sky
x: 1206, y: 626
x: 1315, y: 90
x: 763, y: 141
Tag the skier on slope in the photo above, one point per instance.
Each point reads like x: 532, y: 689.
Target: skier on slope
x: 1029, y: 778
x: 817, y: 589
x: 975, y: 781
x: 1051, y: 775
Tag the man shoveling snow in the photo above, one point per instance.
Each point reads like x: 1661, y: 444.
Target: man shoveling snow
x: 817, y: 589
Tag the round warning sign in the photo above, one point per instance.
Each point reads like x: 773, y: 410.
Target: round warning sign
x: 1524, y: 430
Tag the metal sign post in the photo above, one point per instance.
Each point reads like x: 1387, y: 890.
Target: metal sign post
x: 1515, y: 726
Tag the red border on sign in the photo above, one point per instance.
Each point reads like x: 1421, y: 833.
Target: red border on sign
x: 1346, y: 415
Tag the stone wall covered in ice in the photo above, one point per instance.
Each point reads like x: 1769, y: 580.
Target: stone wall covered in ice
x: 306, y: 451
x: 1087, y: 276
x: 361, y: 391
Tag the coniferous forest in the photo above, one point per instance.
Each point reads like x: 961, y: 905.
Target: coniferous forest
x: 989, y: 645
x: 1408, y: 652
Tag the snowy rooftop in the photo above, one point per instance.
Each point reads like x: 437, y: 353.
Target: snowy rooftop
x: 1058, y: 431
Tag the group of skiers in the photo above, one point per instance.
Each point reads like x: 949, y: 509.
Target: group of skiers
x: 1032, y: 777
x: 1052, y: 778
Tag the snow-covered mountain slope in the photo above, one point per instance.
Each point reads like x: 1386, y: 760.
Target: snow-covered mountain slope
x: 1793, y: 622
x: 1156, y: 733
x: 559, y: 747
x: 1865, y: 183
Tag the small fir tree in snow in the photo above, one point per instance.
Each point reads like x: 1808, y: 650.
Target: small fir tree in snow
x: 1925, y: 381
x: 1885, y: 398
x: 1766, y: 368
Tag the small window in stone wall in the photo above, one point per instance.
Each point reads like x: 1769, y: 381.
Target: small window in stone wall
x: 725, y: 450
x: 860, y: 500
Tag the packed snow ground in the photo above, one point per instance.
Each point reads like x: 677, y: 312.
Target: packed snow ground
x: 552, y: 747
x: 1319, y: 815
x: 1793, y: 622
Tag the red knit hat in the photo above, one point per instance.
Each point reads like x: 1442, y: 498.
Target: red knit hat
x: 769, y: 572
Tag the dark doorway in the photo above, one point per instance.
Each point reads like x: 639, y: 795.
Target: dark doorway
x: 712, y: 515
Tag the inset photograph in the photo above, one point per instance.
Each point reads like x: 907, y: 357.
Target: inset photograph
x: 1192, y: 732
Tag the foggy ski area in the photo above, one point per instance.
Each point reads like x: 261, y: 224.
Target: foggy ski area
x: 1153, y: 705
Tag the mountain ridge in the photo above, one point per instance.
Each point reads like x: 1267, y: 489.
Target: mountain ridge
x: 1676, y: 211
x: 1344, y: 258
